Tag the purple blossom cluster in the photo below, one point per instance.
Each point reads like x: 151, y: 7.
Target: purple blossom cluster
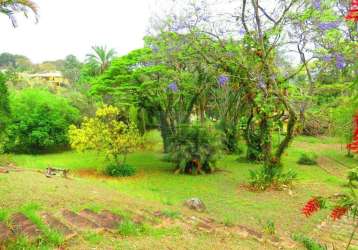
x: 340, y: 61
x: 316, y: 4
x: 328, y: 25
x: 327, y: 58
x: 173, y: 87
x: 223, y: 80
x: 178, y: 26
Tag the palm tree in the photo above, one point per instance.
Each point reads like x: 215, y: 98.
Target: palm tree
x: 11, y: 7
x: 101, y: 57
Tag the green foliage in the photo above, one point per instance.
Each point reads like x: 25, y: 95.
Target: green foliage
x: 115, y: 169
x: 231, y: 138
x: 307, y: 159
x: 342, y: 117
x: 122, y: 79
x: 18, y: 63
x: 4, y: 103
x: 309, y: 243
x: 106, y: 133
x: 3, y: 215
x: 195, y: 148
x: 39, y: 121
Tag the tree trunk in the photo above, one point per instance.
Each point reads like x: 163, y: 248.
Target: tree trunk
x: 253, y: 141
x: 290, y: 128
x: 165, y: 131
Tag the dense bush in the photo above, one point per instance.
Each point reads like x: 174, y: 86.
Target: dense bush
x: 307, y: 159
x: 117, y: 170
x: 106, y: 133
x: 39, y: 121
x: 195, y: 149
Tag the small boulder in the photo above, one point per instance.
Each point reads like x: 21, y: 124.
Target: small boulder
x: 195, y: 204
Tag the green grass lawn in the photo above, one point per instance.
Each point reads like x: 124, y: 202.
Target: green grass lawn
x: 227, y: 200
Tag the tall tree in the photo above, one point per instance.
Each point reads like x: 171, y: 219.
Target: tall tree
x: 101, y: 57
x: 72, y: 68
x: 11, y: 7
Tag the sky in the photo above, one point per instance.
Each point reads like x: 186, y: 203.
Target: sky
x: 73, y: 26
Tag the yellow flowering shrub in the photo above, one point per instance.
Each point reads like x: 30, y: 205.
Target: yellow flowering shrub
x: 106, y: 133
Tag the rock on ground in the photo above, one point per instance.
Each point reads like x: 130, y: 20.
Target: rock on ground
x: 195, y: 204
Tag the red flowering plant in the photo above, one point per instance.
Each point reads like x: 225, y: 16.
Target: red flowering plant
x: 353, y: 147
x: 345, y: 204
x: 353, y: 11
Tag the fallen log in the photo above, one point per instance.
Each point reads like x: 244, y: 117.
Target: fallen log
x: 54, y: 171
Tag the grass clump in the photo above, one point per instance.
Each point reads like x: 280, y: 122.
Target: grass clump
x: 129, y: 228
x: 119, y: 170
x: 171, y: 214
x: 93, y: 238
x: 309, y: 243
x: 269, y: 227
x: 307, y: 159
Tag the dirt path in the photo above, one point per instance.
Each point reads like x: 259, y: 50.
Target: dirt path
x: 336, y: 234
x: 332, y: 167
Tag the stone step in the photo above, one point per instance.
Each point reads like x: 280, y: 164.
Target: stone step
x: 5, y: 233
x: 78, y: 221
x: 23, y: 226
x: 105, y: 219
x: 251, y: 232
x: 57, y: 225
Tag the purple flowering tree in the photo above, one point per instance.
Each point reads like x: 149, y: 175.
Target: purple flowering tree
x: 228, y: 106
x: 247, y: 39
x: 175, y: 84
